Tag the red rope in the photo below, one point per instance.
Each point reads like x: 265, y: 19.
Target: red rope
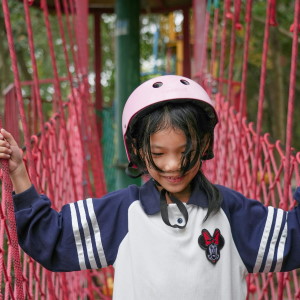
x: 259, y: 168
x: 232, y: 52
x: 248, y: 18
x: 36, y: 89
x: 214, y: 43
x: 7, y: 189
x: 34, y: 63
x: 235, y: 20
x: 57, y: 148
x: 261, y: 98
x: 44, y: 6
x: 17, y: 84
x: 71, y: 37
x: 237, y: 12
x: 242, y: 102
x: 11, y: 112
x: 223, y: 44
x: 76, y: 58
x: 203, y: 66
x: 57, y: 98
x: 272, y: 19
x: 289, y: 129
x: 291, y: 104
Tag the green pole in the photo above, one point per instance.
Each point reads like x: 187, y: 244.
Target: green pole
x: 127, y: 74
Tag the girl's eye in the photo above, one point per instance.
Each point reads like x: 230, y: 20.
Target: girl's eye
x: 156, y: 154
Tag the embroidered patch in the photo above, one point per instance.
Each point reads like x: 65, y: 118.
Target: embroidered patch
x: 211, y: 244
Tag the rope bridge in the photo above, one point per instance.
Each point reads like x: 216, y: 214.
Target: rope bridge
x: 64, y: 158
x: 247, y: 160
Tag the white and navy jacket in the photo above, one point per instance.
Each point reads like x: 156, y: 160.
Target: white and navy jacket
x: 205, y: 260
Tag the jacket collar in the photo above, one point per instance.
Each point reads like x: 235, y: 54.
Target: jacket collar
x: 150, y: 197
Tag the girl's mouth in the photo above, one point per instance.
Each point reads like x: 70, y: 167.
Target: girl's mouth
x: 174, y: 179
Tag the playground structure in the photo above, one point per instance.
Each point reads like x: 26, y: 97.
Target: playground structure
x: 64, y: 156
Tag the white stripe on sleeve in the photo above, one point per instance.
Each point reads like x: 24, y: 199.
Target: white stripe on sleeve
x: 77, y: 237
x: 280, y: 251
x: 264, y: 240
x: 97, y: 233
x: 87, y: 235
x: 275, y: 236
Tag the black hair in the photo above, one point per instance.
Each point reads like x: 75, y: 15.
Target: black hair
x: 198, y: 129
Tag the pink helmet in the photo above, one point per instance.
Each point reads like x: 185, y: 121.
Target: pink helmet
x: 161, y: 89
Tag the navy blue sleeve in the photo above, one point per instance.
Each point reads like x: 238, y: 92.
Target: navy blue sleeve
x: 43, y: 233
x: 267, y: 238
x: 102, y: 224
x: 85, y: 234
x: 292, y: 245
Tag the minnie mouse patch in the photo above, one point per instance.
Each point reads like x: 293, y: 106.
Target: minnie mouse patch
x: 211, y: 244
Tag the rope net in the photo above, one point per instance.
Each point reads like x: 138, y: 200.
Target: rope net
x: 246, y: 159
x: 58, y: 152
x: 64, y: 157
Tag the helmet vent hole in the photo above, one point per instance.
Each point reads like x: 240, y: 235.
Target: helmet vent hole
x: 157, y: 84
x: 185, y: 82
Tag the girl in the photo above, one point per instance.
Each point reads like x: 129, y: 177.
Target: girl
x: 176, y: 237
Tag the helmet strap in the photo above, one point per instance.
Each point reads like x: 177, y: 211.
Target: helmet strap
x: 164, y: 209
x: 133, y: 171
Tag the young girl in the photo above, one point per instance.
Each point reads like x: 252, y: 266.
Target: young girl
x: 176, y: 237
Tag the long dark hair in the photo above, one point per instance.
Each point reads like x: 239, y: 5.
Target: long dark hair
x: 198, y: 129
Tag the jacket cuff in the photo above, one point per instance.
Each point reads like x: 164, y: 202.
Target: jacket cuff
x: 25, y: 199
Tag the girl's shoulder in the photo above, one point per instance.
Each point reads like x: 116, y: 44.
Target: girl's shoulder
x: 126, y: 195
x: 234, y: 200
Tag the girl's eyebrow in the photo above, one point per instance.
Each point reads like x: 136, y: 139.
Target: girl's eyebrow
x: 162, y: 147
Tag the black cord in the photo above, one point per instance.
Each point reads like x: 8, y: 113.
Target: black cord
x: 164, y: 209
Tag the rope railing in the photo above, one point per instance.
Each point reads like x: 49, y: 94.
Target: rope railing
x: 55, y: 150
x: 246, y: 159
x: 64, y: 145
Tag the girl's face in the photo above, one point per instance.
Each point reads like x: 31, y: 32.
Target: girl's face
x: 167, y: 146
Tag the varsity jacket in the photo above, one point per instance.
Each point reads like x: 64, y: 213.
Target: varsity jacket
x: 204, y: 260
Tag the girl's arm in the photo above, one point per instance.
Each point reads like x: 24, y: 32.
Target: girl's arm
x: 10, y: 150
x: 83, y: 235
x: 267, y: 238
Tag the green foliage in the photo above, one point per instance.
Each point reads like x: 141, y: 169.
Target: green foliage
x: 278, y: 64
x: 149, y: 24
x: 276, y: 91
x: 41, y: 52
x: 278, y: 72
x: 108, y: 58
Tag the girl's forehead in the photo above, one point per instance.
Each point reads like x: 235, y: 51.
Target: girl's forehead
x: 168, y: 130
x: 168, y: 137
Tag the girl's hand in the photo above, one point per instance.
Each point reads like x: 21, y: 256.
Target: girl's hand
x: 10, y: 150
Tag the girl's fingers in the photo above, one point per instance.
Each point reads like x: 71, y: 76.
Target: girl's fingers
x: 4, y: 155
x: 5, y: 147
x: 7, y: 136
x: 4, y: 143
x: 5, y: 152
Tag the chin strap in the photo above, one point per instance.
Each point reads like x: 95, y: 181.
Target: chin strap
x: 164, y: 209
x: 133, y: 171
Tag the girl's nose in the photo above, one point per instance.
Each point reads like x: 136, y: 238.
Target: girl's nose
x: 172, y: 164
